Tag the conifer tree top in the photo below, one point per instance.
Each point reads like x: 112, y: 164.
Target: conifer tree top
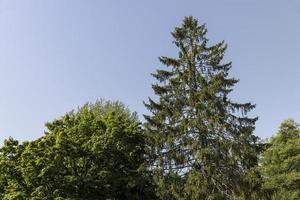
x: 196, y: 131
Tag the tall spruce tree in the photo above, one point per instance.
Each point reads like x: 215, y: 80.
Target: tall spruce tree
x: 201, y: 142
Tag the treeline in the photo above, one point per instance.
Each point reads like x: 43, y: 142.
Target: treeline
x: 196, y: 143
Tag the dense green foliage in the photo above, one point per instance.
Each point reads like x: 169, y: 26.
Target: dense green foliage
x: 196, y: 143
x: 95, y: 153
x: 202, y: 142
x: 281, y: 163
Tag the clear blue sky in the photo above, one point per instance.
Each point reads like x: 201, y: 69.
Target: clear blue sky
x: 56, y: 55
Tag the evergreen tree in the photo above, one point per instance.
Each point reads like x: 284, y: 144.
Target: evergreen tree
x: 201, y: 142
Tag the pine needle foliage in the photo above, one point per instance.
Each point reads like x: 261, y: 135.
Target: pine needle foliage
x: 201, y: 142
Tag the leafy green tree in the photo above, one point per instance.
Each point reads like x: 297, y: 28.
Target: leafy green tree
x: 202, y: 143
x: 281, y: 163
x: 94, y: 153
x: 12, y: 185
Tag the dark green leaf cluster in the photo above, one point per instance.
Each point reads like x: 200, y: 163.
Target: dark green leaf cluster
x: 94, y: 153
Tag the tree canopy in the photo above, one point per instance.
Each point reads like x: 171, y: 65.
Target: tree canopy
x: 281, y: 162
x: 96, y: 152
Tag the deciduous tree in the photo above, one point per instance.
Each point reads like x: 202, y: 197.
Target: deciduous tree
x: 96, y: 152
x: 281, y: 163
